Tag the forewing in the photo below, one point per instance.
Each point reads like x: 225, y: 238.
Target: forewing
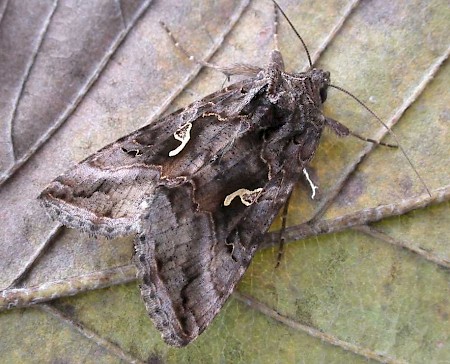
x: 189, y: 260
x: 103, y: 193
x: 193, y: 249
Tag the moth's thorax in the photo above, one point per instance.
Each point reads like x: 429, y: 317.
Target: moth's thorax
x: 290, y: 91
x: 287, y: 90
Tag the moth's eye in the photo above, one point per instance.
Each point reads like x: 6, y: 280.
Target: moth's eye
x: 323, y: 94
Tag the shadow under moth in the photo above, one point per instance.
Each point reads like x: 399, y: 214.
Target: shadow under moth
x: 199, y: 188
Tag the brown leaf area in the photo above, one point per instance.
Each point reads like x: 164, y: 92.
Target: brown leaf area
x: 75, y: 76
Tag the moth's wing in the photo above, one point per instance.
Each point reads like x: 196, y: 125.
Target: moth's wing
x: 193, y: 250
x: 189, y: 263
x: 103, y: 193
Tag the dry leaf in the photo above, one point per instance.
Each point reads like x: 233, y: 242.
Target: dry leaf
x: 76, y: 76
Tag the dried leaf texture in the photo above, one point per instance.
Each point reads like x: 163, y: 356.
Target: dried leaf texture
x: 75, y: 78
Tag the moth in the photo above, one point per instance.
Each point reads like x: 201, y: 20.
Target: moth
x: 199, y: 188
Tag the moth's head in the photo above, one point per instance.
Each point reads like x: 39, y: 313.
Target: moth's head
x: 320, y: 80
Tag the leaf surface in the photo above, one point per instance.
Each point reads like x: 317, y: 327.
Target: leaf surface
x: 75, y: 78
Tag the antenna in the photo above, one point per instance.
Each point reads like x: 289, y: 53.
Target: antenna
x: 357, y: 100
x: 295, y: 31
x: 388, y: 129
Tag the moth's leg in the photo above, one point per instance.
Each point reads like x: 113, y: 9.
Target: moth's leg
x: 342, y: 131
x: 237, y: 69
x: 282, y: 230
x: 284, y: 216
